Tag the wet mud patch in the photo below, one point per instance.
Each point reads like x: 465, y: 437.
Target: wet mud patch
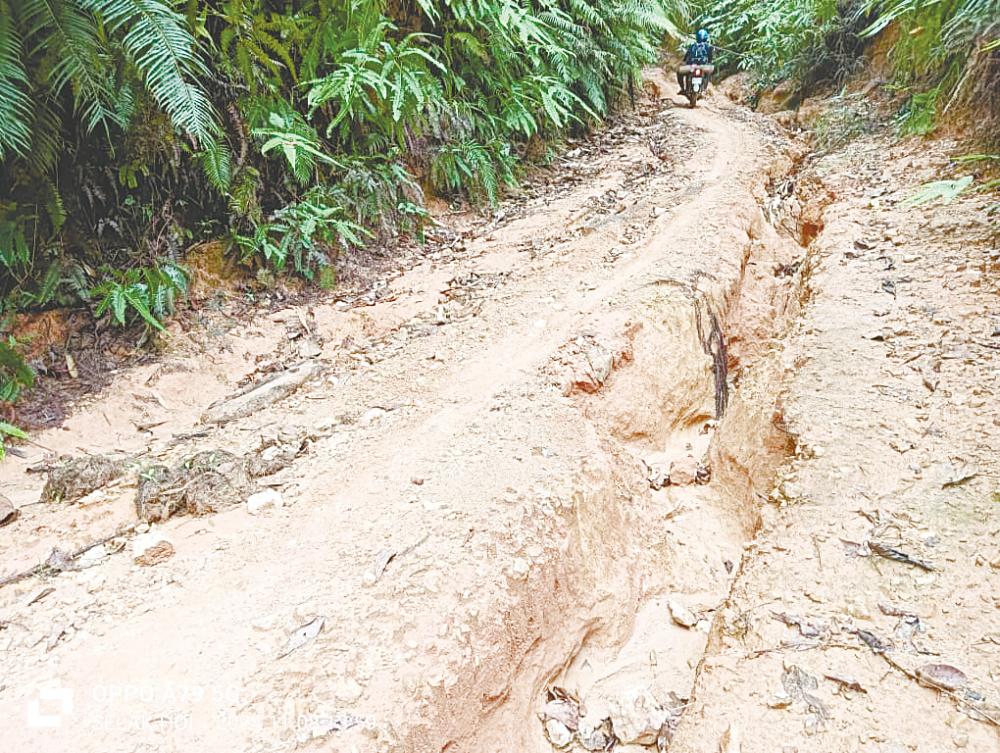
x: 72, y: 479
x: 205, y: 483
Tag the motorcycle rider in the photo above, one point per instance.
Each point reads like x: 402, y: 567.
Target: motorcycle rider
x: 700, y: 53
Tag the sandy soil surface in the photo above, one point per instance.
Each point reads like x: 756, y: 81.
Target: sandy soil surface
x: 866, y: 617
x: 640, y: 463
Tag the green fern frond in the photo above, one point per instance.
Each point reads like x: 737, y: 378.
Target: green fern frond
x: 66, y: 33
x: 945, y: 191
x: 166, y: 54
x: 15, y: 104
x: 217, y: 165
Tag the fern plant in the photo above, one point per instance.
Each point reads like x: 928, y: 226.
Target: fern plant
x: 51, y: 47
x: 131, y: 127
x: 15, y: 377
x: 147, y: 293
x: 307, y: 233
x: 15, y: 374
x: 481, y: 169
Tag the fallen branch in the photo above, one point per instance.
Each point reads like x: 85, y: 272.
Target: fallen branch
x: 46, y: 569
x: 880, y: 649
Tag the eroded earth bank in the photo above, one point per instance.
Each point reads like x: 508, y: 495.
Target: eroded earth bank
x: 692, y: 447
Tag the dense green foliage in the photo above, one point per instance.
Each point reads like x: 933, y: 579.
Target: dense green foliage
x: 15, y: 376
x: 805, y: 40
x: 941, y: 50
x: 297, y: 129
x: 294, y: 129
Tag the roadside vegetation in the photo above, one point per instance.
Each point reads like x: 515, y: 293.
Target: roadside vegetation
x: 943, y: 58
x: 298, y: 130
x: 294, y: 130
x: 942, y: 52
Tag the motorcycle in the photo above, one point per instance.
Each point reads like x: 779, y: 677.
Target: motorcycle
x: 696, y: 84
x: 695, y: 78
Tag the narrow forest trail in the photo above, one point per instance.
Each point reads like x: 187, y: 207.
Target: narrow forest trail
x: 471, y: 479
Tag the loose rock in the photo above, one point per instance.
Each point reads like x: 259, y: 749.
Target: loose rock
x: 599, y: 738
x: 8, y: 513
x: 564, y: 711
x: 557, y: 733
x: 942, y: 676
x: 93, y: 556
x: 638, y: 720
x: 264, y: 500
x: 151, y: 548
x: 684, y: 471
x: 658, y: 474
x: 681, y: 615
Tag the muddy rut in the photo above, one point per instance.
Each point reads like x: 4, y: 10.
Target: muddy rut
x: 512, y: 520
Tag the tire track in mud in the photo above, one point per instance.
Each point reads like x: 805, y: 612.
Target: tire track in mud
x: 629, y: 675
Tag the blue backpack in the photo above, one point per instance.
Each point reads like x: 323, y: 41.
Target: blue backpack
x: 700, y: 53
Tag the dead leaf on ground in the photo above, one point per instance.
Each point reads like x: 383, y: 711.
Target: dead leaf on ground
x: 731, y: 740
x: 382, y: 560
x: 891, y: 610
x: 942, y: 676
x: 846, y: 682
x: 40, y: 595
x: 897, y: 555
x: 302, y: 636
x: 806, y: 628
x: 872, y: 641
x: 385, y: 556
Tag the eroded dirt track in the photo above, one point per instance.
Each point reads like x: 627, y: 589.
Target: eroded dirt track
x: 474, y: 501
x: 866, y: 615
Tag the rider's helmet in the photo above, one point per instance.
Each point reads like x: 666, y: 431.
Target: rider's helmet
x: 702, y: 35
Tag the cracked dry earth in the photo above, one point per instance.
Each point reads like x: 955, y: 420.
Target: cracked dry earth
x: 660, y: 458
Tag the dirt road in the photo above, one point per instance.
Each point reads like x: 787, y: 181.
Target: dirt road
x: 521, y: 486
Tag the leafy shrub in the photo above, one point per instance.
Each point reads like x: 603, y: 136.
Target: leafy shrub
x: 146, y: 293
x: 129, y: 128
x: 9, y: 430
x: 944, y: 49
x: 811, y: 42
x: 15, y: 374
x: 307, y: 232
x: 919, y: 114
x: 480, y: 169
